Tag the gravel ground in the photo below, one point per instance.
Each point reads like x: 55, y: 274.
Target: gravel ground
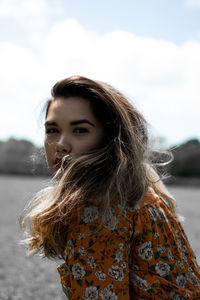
x: 33, y: 278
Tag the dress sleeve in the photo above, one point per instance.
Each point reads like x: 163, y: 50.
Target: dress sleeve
x: 162, y: 263
x: 97, y: 254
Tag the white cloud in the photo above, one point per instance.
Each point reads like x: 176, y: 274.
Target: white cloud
x: 20, y: 9
x: 33, y: 15
x: 160, y: 76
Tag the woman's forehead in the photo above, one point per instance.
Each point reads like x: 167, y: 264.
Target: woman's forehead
x: 70, y: 108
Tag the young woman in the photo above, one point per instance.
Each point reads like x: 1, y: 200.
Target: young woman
x: 107, y: 214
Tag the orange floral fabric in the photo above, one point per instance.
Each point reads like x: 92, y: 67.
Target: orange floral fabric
x: 140, y: 253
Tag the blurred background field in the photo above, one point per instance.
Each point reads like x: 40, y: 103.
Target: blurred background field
x: 32, y: 278
x: 22, y: 277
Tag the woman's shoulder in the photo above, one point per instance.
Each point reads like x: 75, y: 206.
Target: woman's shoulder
x: 90, y: 216
x: 153, y: 209
x: 150, y: 200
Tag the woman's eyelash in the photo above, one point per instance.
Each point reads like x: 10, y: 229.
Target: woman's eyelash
x: 80, y: 130
x: 51, y: 130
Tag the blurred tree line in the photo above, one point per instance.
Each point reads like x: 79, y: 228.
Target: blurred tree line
x: 22, y: 157
x: 180, y: 163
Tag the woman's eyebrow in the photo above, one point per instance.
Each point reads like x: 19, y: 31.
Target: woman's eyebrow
x: 81, y: 121
x: 72, y: 123
x: 50, y: 123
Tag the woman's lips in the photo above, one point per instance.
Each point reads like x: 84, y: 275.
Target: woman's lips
x: 62, y: 161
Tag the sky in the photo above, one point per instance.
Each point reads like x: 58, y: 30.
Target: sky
x: 148, y: 49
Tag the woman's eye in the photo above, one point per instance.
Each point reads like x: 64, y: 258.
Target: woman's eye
x: 51, y: 130
x: 80, y: 130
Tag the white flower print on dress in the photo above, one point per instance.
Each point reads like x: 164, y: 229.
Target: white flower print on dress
x: 64, y: 269
x: 161, y: 249
x: 116, y: 273
x: 109, y: 221
x: 156, y: 235
x: 70, y: 249
x: 121, y: 246
x: 175, y: 296
x: 184, y: 258
x: 123, y: 265
x: 81, y: 236
x: 187, y: 296
x: 90, y: 293
x: 162, y: 268
x: 146, y: 251
x: 108, y: 294
x: 180, y: 264
x: 181, y: 281
x: 161, y: 215
x: 179, y: 244
x: 139, y: 282
x: 100, y: 275
x: 91, y: 262
x: 135, y: 267
x: 110, y: 286
x: 78, y: 271
x: 170, y: 255
x: 82, y: 251
x: 191, y: 277
x: 153, y: 214
x: 90, y: 214
x: 118, y: 256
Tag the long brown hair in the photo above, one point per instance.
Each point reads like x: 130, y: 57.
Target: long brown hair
x: 119, y: 172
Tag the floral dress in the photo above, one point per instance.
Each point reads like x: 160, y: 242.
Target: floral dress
x: 140, y: 253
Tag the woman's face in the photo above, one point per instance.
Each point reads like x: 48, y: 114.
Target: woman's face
x: 70, y: 128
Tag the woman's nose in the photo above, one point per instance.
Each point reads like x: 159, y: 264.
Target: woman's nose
x: 63, y: 145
